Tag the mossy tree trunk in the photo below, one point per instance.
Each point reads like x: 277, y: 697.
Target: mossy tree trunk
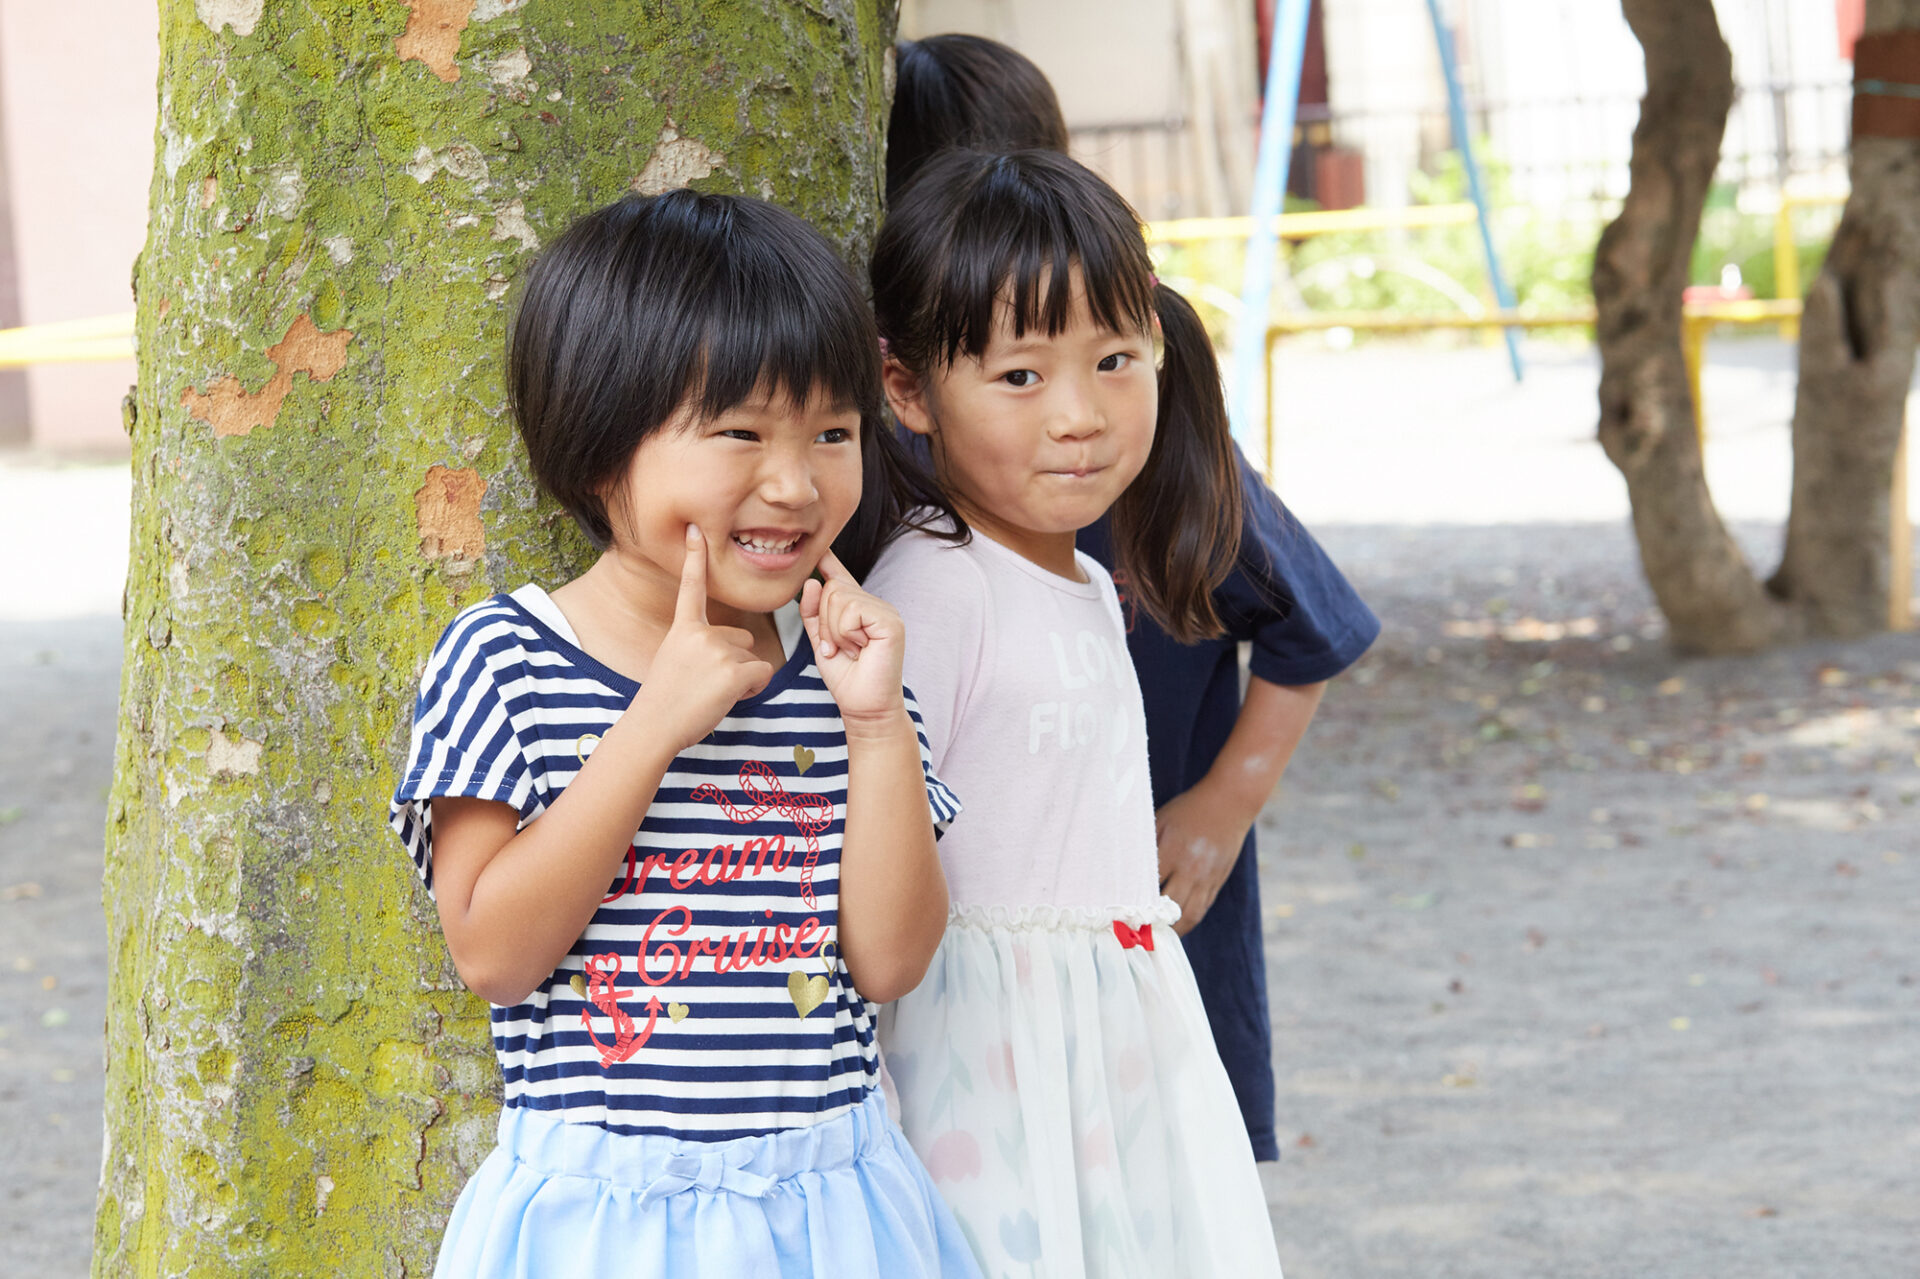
x: 1857, y: 342
x: 343, y: 196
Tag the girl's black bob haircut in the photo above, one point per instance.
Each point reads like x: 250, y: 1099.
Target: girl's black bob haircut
x: 978, y: 235
x: 655, y: 303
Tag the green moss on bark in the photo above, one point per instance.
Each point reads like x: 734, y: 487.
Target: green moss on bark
x: 297, y: 1084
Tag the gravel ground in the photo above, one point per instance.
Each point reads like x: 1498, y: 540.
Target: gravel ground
x: 59, y: 682
x: 1586, y: 961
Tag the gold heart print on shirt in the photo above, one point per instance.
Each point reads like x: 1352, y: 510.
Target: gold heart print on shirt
x: 807, y: 993
x: 678, y: 1012
x: 579, y: 985
x: 802, y: 759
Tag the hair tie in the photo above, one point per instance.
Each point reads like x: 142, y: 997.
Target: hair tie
x: 886, y: 349
x: 1153, y: 279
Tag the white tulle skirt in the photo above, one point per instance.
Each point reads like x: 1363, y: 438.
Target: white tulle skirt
x: 1057, y: 1076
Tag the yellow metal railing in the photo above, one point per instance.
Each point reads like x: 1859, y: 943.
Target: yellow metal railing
x: 103, y: 337
x: 1786, y: 254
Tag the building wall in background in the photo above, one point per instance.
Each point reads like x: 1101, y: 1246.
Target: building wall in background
x: 1159, y: 95
x: 77, y: 113
x: 1553, y: 90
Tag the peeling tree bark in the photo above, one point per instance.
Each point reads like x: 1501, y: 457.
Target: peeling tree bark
x: 1710, y: 597
x: 1857, y: 343
x: 324, y: 474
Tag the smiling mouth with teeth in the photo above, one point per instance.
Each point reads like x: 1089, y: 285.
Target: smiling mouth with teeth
x: 766, y: 547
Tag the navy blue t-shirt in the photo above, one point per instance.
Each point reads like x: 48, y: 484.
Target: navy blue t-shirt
x: 1306, y: 624
x: 1305, y: 621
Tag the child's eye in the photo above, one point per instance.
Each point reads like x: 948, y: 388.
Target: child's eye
x: 1115, y: 362
x: 740, y: 433
x: 1019, y: 377
x: 834, y: 435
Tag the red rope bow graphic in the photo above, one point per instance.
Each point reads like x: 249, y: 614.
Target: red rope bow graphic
x: 1131, y: 937
x: 811, y: 813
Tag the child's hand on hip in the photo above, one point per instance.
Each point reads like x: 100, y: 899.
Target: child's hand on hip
x: 700, y: 670
x: 858, y: 644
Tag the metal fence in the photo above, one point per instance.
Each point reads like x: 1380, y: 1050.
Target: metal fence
x: 1780, y: 137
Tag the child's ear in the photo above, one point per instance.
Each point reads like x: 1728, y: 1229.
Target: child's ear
x: 907, y: 396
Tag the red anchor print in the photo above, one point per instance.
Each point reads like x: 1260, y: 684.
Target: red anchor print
x: 1131, y: 937
x: 811, y: 813
x: 603, y: 971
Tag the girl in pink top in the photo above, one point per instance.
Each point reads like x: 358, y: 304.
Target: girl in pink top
x: 1055, y: 1069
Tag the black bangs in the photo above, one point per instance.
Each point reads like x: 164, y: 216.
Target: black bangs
x: 976, y: 231
x: 683, y: 299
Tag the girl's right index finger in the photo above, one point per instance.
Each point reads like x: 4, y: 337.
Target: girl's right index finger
x: 691, y: 605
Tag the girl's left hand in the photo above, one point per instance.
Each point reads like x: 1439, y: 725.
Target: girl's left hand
x: 858, y: 641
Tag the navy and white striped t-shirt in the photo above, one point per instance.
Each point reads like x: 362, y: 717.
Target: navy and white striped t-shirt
x: 706, y: 999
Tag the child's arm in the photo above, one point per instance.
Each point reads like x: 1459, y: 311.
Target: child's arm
x: 512, y: 905
x: 1201, y: 830
x: 893, y: 894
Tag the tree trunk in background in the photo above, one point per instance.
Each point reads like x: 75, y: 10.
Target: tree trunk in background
x: 1711, y: 599
x: 1857, y: 342
x: 324, y: 473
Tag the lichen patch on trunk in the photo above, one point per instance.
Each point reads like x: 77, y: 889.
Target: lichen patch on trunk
x: 447, y: 508
x: 231, y: 409
x: 433, y: 35
x: 675, y: 162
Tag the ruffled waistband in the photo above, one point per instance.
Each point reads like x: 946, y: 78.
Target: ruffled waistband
x: 1054, y: 919
x: 662, y: 1166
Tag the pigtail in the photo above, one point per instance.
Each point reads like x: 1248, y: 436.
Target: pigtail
x: 1176, y: 529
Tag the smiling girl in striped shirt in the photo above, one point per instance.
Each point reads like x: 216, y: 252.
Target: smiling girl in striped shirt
x: 677, y: 816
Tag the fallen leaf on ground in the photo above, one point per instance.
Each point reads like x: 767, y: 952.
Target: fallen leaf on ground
x: 15, y: 892
x: 1535, y: 939
x: 1669, y: 687
x: 55, y: 1017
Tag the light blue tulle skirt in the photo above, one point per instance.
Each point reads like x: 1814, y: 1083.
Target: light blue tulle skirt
x: 844, y: 1199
